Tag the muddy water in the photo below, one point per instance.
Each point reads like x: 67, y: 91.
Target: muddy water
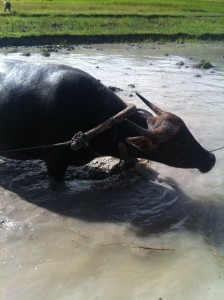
x: 154, y: 232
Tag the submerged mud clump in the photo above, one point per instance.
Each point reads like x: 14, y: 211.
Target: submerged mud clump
x: 107, y: 167
x: 99, y: 169
x: 204, y: 65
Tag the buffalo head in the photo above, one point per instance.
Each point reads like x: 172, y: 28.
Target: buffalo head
x: 166, y: 139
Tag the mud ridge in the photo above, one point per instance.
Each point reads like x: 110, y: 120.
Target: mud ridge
x: 100, y: 39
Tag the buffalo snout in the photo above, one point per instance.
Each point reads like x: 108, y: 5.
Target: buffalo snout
x: 210, y: 163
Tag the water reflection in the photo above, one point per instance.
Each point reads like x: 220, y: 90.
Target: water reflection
x: 150, y: 204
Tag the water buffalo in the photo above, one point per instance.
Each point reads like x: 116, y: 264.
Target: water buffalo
x: 42, y: 104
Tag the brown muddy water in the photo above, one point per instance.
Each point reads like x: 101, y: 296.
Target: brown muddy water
x: 154, y: 232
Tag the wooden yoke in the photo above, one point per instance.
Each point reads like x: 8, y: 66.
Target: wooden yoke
x: 81, y: 140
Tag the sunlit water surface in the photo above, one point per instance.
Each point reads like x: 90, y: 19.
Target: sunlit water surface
x: 92, y: 239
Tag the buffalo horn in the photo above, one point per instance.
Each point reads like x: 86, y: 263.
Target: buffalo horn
x: 153, y: 107
x: 160, y: 128
x: 142, y: 131
x: 158, y: 134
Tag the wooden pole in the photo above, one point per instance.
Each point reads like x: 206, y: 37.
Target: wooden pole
x: 81, y: 139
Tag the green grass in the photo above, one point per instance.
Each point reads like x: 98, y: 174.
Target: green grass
x: 112, y: 17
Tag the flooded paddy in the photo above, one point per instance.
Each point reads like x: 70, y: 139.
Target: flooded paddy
x: 153, y: 232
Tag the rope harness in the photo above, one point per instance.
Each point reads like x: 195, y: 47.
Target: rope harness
x: 81, y: 140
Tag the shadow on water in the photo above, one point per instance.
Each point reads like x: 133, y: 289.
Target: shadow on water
x: 150, y: 205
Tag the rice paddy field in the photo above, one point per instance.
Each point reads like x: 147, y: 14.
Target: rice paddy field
x: 121, y: 20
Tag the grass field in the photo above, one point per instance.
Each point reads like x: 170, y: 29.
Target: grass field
x: 195, y: 19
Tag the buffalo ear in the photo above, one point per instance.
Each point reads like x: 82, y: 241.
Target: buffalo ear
x: 141, y: 143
